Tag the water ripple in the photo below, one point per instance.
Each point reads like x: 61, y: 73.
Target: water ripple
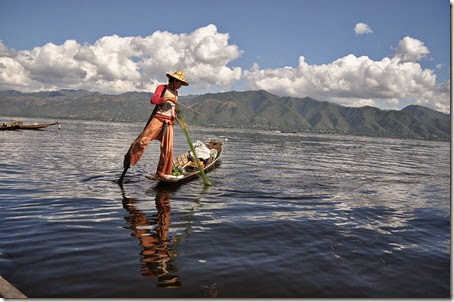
x: 290, y: 216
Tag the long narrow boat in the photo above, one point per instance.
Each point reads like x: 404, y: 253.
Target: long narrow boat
x: 38, y: 126
x: 16, y: 125
x: 190, y: 171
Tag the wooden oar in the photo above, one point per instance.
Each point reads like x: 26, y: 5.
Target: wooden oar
x: 184, y: 127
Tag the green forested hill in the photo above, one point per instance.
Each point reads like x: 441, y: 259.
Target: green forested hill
x: 260, y: 109
x: 249, y: 109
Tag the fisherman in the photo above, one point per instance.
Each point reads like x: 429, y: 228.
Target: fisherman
x: 159, y: 126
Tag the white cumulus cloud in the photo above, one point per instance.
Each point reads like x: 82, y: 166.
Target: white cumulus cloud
x: 362, y: 29
x: 411, y: 50
x: 355, y: 81
x: 115, y: 64
x: 118, y: 64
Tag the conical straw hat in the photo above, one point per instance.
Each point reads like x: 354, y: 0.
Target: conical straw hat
x: 179, y: 75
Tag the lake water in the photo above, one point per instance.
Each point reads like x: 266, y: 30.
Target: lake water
x: 288, y: 215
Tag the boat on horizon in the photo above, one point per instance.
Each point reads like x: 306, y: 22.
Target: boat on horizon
x: 17, y: 125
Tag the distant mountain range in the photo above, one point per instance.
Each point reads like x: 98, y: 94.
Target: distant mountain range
x: 249, y: 109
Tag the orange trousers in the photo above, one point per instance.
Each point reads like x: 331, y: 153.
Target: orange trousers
x: 155, y: 130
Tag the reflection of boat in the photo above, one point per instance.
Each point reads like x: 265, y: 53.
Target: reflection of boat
x: 190, y: 171
x: 20, y: 125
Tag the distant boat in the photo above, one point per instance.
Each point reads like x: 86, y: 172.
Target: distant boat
x: 10, y: 126
x: 16, y: 125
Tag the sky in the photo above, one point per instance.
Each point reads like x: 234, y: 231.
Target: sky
x: 382, y: 53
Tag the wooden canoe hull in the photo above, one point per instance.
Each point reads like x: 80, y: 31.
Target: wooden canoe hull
x: 38, y: 126
x: 18, y: 125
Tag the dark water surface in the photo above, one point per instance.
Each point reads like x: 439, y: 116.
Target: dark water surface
x: 288, y: 215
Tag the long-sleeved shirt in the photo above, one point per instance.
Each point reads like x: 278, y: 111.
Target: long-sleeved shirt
x: 165, y: 109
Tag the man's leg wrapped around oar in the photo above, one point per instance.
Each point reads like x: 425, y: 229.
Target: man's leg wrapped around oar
x: 156, y: 129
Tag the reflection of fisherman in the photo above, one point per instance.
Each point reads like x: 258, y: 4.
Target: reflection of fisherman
x: 159, y: 126
x: 156, y: 261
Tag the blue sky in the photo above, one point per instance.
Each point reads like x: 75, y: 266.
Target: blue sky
x: 289, y: 47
